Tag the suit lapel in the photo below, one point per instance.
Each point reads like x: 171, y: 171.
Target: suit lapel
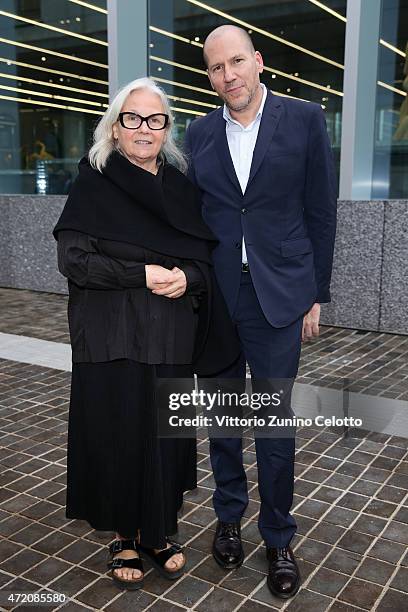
x: 270, y: 118
x: 221, y: 145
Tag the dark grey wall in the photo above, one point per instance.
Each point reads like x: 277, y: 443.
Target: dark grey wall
x: 370, y: 272
x: 28, y: 255
x: 370, y: 277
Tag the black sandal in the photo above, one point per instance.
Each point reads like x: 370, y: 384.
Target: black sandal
x: 159, y: 559
x: 116, y: 547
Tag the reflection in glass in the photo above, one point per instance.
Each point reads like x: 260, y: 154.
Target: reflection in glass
x: 53, y: 87
x: 390, y: 168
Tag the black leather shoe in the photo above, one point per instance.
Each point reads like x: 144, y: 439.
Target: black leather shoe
x: 227, y: 547
x: 284, y: 577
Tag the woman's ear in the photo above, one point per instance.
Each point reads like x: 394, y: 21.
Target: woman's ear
x: 115, y: 133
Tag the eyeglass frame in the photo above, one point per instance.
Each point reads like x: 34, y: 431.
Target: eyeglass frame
x: 166, y: 121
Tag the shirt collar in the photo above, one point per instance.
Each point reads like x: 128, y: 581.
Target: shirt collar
x: 227, y: 116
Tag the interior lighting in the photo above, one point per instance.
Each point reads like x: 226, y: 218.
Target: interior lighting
x: 90, y: 6
x: 52, y: 105
x: 53, y: 28
x: 47, y: 95
x: 186, y: 86
x: 304, y: 81
x: 328, y: 10
x: 190, y: 101
x: 175, y: 36
x: 56, y: 85
x: 391, y: 88
x: 186, y: 110
x: 171, y: 63
x: 72, y: 58
x: 51, y: 70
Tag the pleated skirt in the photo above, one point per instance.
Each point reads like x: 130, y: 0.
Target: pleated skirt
x: 121, y: 476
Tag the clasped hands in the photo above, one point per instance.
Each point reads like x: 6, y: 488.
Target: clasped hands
x: 161, y: 281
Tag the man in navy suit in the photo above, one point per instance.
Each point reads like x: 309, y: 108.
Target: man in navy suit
x: 264, y: 166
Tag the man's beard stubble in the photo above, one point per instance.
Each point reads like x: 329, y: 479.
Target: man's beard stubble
x: 242, y: 105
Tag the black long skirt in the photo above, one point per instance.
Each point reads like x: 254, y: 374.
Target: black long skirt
x: 120, y: 475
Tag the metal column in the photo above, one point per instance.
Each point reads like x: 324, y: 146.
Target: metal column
x: 128, y: 42
x: 360, y: 87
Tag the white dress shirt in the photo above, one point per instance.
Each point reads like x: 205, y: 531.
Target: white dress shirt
x: 241, y: 143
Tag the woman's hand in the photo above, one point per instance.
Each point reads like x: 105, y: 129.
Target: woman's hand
x: 172, y: 285
x: 157, y: 276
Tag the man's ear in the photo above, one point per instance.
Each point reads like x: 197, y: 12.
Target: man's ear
x: 259, y: 61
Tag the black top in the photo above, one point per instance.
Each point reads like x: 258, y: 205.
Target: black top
x: 158, y: 329
x: 126, y: 216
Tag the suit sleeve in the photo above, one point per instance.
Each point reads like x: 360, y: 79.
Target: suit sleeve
x: 79, y: 261
x: 320, y: 207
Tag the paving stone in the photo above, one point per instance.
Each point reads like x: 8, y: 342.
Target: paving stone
x: 361, y: 593
x: 47, y: 570
x: 397, y: 532
x: 21, y: 562
x: 188, y: 591
x: 308, y: 601
x: 243, y: 580
x: 386, y: 550
x: 400, y: 581
x: 355, y: 541
x: 392, y: 601
x: 375, y: 570
x: 328, y: 582
x: 73, y: 581
x: 342, y: 561
x: 220, y: 600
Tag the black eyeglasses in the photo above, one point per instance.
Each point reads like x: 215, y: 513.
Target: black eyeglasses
x: 132, y: 121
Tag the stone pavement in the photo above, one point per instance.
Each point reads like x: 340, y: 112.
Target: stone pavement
x: 351, y: 493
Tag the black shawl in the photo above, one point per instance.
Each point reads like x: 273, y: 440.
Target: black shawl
x: 128, y: 204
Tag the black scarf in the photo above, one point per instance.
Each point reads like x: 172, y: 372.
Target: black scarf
x: 161, y: 213
x: 129, y: 204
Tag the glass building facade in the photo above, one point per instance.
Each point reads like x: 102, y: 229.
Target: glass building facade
x: 53, y: 87
x: 54, y: 76
x: 390, y: 164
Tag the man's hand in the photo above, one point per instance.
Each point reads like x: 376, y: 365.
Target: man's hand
x: 311, y: 323
x: 171, y: 285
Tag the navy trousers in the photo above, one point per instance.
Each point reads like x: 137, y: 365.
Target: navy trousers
x: 271, y: 353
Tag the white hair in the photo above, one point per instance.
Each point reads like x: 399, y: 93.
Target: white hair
x: 103, y: 140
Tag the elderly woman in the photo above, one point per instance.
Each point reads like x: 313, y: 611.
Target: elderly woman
x: 143, y: 305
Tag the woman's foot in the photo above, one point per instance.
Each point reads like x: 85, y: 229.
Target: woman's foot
x: 169, y: 561
x: 126, y: 573
x: 176, y: 562
x: 126, y: 565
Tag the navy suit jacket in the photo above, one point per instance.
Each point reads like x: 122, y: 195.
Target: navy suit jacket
x: 288, y: 211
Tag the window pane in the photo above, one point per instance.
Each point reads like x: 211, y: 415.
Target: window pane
x: 390, y: 178
x: 53, y: 88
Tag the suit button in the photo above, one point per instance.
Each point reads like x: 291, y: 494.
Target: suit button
x: 244, y: 211
x: 238, y: 245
